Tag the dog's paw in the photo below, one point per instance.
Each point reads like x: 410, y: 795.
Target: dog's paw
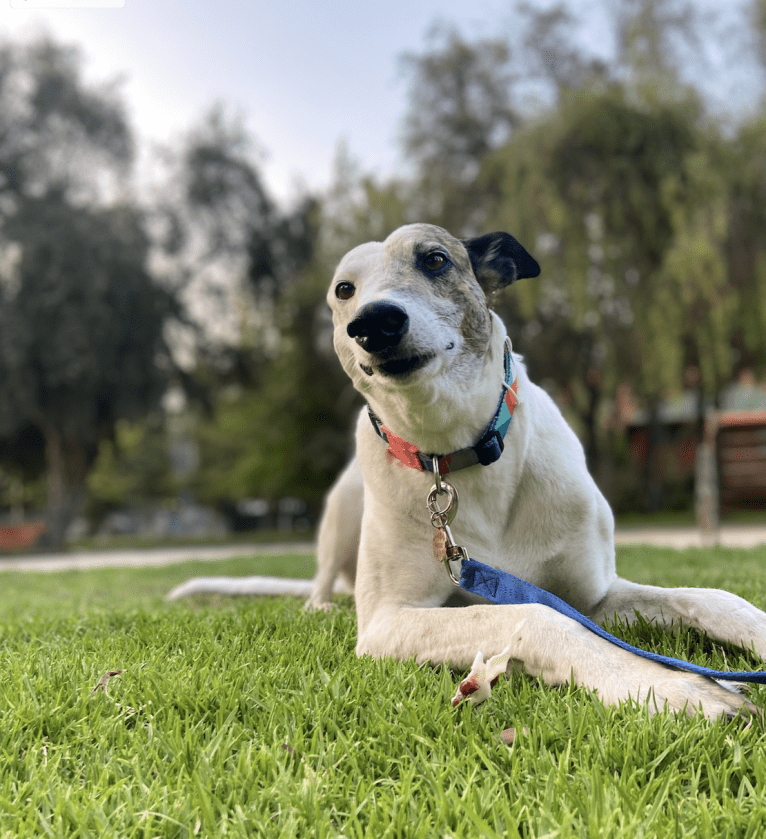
x: 682, y: 692
x: 478, y: 684
x: 318, y: 605
x: 619, y: 675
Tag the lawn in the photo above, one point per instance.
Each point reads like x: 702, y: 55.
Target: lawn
x: 255, y: 718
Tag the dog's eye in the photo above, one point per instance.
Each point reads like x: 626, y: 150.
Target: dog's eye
x: 344, y: 291
x: 434, y: 261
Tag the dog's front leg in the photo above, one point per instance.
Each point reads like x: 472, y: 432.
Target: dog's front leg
x: 546, y: 644
x: 720, y: 614
x: 339, y: 531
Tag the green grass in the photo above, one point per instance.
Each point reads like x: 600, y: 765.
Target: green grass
x: 250, y: 537
x: 255, y: 718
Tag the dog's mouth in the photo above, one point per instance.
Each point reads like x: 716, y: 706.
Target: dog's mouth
x: 398, y: 368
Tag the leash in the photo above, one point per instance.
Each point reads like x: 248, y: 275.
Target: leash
x: 503, y: 588
x: 491, y: 583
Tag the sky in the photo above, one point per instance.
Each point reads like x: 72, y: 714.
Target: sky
x: 303, y: 75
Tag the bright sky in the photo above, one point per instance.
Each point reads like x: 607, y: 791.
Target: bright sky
x: 304, y: 75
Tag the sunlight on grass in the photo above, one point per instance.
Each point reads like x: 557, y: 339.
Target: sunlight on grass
x: 255, y: 718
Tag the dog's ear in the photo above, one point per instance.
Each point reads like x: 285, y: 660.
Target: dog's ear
x: 498, y: 260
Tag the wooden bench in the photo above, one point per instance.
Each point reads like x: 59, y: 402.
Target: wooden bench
x: 742, y: 459
x: 731, y: 465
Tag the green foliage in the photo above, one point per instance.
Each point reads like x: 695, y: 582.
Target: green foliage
x: 268, y: 428
x: 284, y: 428
x: 459, y: 101
x: 54, y: 129
x: 746, y: 248
x: 132, y: 467
x: 357, y: 208
x: 223, y: 215
x: 288, y: 437
x: 82, y: 333
x: 255, y: 718
x: 460, y: 108
x: 607, y: 188
x: 222, y: 187
x: 81, y: 337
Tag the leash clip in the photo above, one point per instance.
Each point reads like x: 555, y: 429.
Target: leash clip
x: 445, y: 549
x: 454, y: 553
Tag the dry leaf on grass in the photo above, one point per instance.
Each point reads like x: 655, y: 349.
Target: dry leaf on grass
x: 508, y: 735
x: 103, y: 682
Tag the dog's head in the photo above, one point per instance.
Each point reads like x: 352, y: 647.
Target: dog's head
x: 416, y: 305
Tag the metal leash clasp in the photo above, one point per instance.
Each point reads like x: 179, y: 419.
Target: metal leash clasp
x: 441, y: 518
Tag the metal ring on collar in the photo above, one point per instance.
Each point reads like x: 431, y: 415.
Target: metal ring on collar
x: 450, y: 510
x: 439, y: 483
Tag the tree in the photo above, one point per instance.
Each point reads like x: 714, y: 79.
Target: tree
x: 629, y: 203
x: 460, y: 109
x: 650, y: 34
x: 133, y: 467
x: 55, y: 131
x: 72, y: 335
x: 459, y: 102
x: 233, y: 251
x: 81, y: 337
x: 745, y: 247
x: 266, y: 432
x: 551, y: 55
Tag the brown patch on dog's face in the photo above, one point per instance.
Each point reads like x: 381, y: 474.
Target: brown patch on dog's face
x: 455, y: 282
x: 476, y: 324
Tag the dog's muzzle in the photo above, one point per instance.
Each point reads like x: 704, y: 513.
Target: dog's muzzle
x: 379, y: 327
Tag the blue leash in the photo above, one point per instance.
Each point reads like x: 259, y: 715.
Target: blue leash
x: 501, y: 588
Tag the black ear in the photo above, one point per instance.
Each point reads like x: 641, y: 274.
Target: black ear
x: 498, y: 260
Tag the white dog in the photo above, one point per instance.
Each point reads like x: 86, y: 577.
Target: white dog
x: 414, y: 331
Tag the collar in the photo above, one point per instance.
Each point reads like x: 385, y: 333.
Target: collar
x: 486, y: 451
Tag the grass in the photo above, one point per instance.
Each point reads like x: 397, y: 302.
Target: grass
x: 131, y: 541
x: 254, y: 718
x: 686, y: 518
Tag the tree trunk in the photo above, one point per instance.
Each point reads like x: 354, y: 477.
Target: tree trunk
x: 707, y: 503
x: 592, y: 451
x: 67, y: 470
x: 654, y: 477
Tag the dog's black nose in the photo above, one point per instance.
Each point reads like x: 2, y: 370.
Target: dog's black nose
x: 379, y: 326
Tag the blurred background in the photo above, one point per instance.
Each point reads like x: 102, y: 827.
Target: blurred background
x: 177, y: 183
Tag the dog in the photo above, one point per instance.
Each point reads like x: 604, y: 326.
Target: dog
x: 415, y: 332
